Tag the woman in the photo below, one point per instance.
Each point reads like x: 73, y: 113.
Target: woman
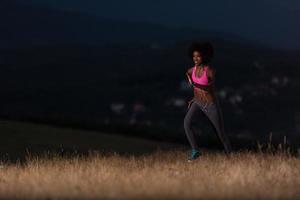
x: 202, y: 78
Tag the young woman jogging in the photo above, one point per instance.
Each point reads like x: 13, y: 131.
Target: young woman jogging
x: 202, y: 77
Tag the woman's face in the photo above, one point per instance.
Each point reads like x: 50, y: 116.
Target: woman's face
x: 197, y: 58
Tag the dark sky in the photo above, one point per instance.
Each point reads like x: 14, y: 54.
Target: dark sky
x: 274, y: 22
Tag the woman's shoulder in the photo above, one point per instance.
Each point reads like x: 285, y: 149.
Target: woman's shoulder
x: 190, y: 70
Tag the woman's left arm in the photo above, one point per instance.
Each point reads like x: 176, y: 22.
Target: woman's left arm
x: 211, y: 73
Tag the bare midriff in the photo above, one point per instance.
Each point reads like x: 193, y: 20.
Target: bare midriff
x: 204, y: 94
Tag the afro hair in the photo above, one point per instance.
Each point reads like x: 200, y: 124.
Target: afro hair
x: 205, y: 48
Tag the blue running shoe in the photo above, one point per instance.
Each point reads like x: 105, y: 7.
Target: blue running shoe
x: 193, y: 155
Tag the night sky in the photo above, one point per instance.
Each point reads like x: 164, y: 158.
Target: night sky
x: 272, y: 22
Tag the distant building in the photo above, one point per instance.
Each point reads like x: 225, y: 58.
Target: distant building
x: 275, y: 80
x: 178, y: 102
x: 285, y: 80
x: 175, y: 101
x: 236, y: 98
x: 117, y: 108
x: 137, y: 109
x: 280, y: 81
x: 222, y: 93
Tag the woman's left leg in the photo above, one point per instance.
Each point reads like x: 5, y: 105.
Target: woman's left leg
x: 214, y: 113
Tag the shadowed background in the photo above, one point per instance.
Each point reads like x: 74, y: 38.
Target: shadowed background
x: 118, y: 67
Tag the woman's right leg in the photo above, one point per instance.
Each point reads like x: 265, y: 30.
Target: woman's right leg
x: 188, y: 125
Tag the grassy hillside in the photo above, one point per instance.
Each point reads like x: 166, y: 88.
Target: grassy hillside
x: 160, y: 175
x: 18, y: 139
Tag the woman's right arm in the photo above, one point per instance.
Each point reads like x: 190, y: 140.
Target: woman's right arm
x: 189, y: 75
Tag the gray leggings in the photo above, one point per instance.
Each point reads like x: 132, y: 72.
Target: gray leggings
x: 214, y: 114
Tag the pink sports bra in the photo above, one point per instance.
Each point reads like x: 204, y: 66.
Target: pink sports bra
x: 202, y: 80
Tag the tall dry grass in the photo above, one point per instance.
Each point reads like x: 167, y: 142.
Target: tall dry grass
x: 159, y: 175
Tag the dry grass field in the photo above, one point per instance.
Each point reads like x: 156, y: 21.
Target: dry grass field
x: 162, y: 174
x: 110, y: 166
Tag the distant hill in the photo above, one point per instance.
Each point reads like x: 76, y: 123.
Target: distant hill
x: 271, y: 22
x: 25, y: 25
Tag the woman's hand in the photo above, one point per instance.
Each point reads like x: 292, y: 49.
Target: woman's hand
x: 189, y: 75
x: 189, y: 78
x: 190, y: 102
